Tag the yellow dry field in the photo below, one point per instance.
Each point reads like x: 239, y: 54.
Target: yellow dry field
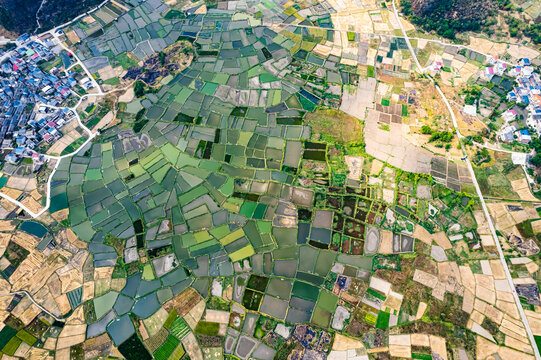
x: 24, y: 240
x: 103, y: 273
x: 344, y: 343
x: 61, y: 215
x: 477, y: 317
x: 536, y: 226
x: 468, y: 279
x: 7, y: 225
x: 386, y: 242
x: 485, y: 281
x: 509, y: 308
x: 488, y: 310
x: 72, y: 37
x: 485, y: 348
x: 108, y: 72
x: 88, y: 291
x: 441, y: 239
x: 466, y: 71
x: 377, y: 350
x: 72, y: 330
x: 534, y: 319
x: 108, y: 120
x: 63, y: 303
x: 71, y: 133
x: 127, y: 96
x: 497, y: 270
x: 420, y: 312
x: 532, y: 267
x: 507, y: 353
x: 425, y: 278
x: 88, y: 20
x: 487, y: 47
x: 528, y: 212
x: 400, y: 351
x: 420, y: 340
x: 481, y: 221
x: 21, y: 183
x: 517, y: 344
x: 485, y: 294
x: 74, y: 240
x: 519, y: 52
x: 376, y: 167
x: 439, y: 291
x: 467, y: 302
x: 487, y: 241
x: 392, y: 303
x: 62, y: 353
x: 438, y: 346
x: 422, y: 234
x: 32, y: 204
x: 4, y: 241
x: 514, y: 325
x: 66, y: 342
x: 522, y: 188
x: 12, y: 193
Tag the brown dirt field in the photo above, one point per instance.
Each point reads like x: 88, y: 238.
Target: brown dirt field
x: 425, y: 278
x: 7, y: 225
x: 335, y: 123
x: 63, y: 304
x: 441, y: 239
x: 485, y: 281
x: 438, y: 346
x: 183, y: 302
x: 467, y: 303
x: 420, y: 340
x: 509, y: 308
x: 103, y: 273
x: 343, y: 343
x: 477, y: 317
x: 400, y: 351
x: 422, y: 234
x: 489, y: 311
x: 96, y: 346
x: 386, y: 244
x: 61, y: 215
x: 517, y: 344
x: 507, y: 353
x: 66, y: 342
x: 497, y: 269
x: 534, y: 319
x: 485, y: 348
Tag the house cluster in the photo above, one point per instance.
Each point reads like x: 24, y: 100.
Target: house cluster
x: 25, y: 87
x: 44, y: 127
x: 509, y: 131
x: 496, y: 67
x: 527, y: 91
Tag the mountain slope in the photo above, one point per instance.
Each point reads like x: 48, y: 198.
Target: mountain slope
x: 447, y: 17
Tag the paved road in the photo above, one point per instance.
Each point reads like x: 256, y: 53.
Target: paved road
x: 479, y: 195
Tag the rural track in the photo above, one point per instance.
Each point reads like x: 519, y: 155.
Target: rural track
x: 91, y: 135
x: 479, y: 193
x: 24, y: 292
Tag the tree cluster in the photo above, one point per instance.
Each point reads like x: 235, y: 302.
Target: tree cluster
x: 438, y: 19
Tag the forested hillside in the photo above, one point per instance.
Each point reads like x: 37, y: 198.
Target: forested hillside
x: 20, y: 16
